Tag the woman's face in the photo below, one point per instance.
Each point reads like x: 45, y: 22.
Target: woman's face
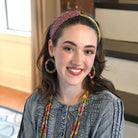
x: 74, y: 53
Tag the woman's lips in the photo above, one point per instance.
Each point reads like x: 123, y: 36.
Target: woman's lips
x: 74, y: 70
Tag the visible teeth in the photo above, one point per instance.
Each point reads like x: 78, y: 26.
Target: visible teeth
x: 74, y: 70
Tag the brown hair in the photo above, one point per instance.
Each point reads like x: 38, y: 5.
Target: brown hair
x: 49, y: 82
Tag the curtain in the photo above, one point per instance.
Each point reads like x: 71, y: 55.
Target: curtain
x: 43, y: 12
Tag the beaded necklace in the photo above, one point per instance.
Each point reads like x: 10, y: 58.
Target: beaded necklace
x: 77, y: 120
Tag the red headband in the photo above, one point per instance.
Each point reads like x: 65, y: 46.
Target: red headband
x: 67, y: 15
x: 64, y: 17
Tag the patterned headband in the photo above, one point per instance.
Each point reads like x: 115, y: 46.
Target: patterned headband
x: 67, y: 15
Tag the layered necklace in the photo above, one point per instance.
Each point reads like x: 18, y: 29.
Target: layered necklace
x: 75, y: 129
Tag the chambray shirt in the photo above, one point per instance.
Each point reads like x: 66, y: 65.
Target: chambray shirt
x: 103, y: 117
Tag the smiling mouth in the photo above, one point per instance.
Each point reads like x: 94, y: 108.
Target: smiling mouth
x: 74, y: 71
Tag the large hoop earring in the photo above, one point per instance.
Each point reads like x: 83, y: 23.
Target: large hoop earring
x: 46, y: 65
x: 92, y: 75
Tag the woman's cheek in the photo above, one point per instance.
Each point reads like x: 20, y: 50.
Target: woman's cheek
x: 63, y: 56
x: 90, y: 62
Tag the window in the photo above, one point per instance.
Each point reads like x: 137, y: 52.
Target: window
x: 15, y: 15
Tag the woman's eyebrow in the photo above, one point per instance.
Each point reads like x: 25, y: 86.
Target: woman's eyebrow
x: 89, y: 46
x: 72, y: 43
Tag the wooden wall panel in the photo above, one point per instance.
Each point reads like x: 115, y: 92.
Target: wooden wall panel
x: 82, y: 5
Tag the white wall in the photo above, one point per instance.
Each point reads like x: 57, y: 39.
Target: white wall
x: 129, y: 1
x: 130, y: 130
x: 123, y: 73
x: 15, y: 62
x: 120, y: 25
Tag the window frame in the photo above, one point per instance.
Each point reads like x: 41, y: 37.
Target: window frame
x: 10, y: 31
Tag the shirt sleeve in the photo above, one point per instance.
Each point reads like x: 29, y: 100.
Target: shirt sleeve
x: 118, y: 120
x: 26, y: 127
x: 112, y: 121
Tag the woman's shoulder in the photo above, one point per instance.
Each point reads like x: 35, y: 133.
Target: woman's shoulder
x: 105, y: 96
x: 35, y: 99
x: 107, y: 109
x: 105, y: 100
x: 35, y: 95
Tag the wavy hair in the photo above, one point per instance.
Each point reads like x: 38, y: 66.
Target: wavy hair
x: 49, y: 82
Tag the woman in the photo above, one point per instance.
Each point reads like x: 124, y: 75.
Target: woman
x: 73, y: 100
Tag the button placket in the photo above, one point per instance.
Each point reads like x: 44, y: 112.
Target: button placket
x: 63, y: 121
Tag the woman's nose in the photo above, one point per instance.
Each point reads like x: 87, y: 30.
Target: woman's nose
x: 77, y: 58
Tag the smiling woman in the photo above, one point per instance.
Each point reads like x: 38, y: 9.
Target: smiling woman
x: 73, y: 55
x: 73, y: 100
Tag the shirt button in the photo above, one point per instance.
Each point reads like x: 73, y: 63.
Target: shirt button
x: 63, y: 106
x: 61, y: 134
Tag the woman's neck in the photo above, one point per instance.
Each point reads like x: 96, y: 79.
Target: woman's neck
x: 70, y: 95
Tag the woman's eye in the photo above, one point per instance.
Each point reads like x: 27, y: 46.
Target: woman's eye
x: 89, y: 52
x: 68, y: 49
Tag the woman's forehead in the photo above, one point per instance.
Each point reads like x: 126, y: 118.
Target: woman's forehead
x: 79, y: 34
x: 79, y: 29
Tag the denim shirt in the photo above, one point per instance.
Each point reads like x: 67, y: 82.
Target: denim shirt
x: 103, y: 117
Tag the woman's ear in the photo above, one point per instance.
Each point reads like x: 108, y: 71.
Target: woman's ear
x: 50, y: 48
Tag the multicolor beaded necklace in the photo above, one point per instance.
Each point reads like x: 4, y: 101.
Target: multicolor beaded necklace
x: 77, y: 120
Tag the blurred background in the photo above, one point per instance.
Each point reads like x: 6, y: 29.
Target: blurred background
x: 23, y: 24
